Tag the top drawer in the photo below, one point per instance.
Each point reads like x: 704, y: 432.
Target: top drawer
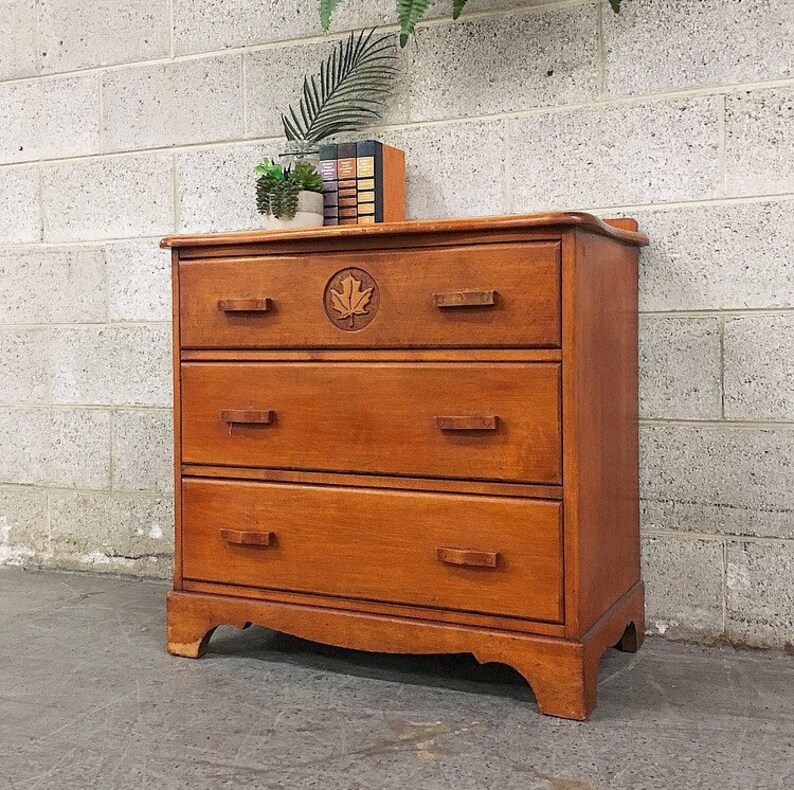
x: 498, y: 295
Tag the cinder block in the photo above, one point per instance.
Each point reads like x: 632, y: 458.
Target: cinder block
x: 119, y: 365
x: 217, y: 188
x: 452, y: 170
x: 107, y: 198
x: 760, y: 596
x: 40, y: 285
x: 78, y: 34
x: 49, y: 118
x: 18, y: 53
x: 143, y: 451
x: 124, y: 533
x: 66, y: 448
x: 482, y: 66
x: 69, y: 117
x: 759, y: 367
x: 274, y: 80
x: 139, y: 281
x: 718, y: 257
x: 24, y: 365
x: 77, y: 445
x: 20, y: 215
x: 680, y: 373
x: 683, y: 583
x: 639, y: 153
x: 77, y: 283
x: 759, y: 142
x: 22, y: 437
x: 24, y: 533
x: 735, y: 481
x: 19, y: 117
x: 206, y: 25
x: 654, y: 47
x: 193, y: 101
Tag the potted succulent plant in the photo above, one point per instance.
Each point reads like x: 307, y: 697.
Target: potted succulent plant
x: 349, y: 93
x: 289, y: 197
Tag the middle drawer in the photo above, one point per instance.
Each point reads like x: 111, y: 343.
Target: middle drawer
x: 497, y: 421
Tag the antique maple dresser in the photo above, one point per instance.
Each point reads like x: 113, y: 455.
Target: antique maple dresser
x: 413, y: 438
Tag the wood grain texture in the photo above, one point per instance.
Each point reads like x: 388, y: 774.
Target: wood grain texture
x: 469, y: 558
x: 244, y: 305
x: 177, y: 379
x: 247, y: 537
x: 378, y: 545
x: 558, y: 221
x: 467, y: 422
x: 393, y: 184
x: 307, y: 477
x: 563, y: 674
x: 373, y: 509
x: 600, y: 408
x: 374, y: 355
x: 402, y: 312
x: 464, y: 299
x: 248, y: 416
x: 518, y: 624
x: 376, y: 418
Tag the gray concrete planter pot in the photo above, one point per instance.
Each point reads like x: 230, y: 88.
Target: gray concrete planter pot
x: 308, y: 215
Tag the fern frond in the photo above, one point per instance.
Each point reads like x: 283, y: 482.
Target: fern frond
x: 349, y: 92
x: 615, y: 5
x: 326, y: 9
x: 409, y: 12
x: 457, y: 7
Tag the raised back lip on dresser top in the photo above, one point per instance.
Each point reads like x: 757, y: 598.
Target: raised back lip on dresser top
x: 621, y: 229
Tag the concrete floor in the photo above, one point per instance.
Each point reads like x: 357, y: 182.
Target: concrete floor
x: 89, y: 699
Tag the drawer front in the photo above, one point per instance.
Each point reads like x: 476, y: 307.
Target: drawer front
x: 480, y: 554
x: 460, y: 420
x: 497, y: 295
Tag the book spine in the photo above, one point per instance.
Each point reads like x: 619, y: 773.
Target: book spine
x: 346, y: 173
x: 328, y: 172
x: 368, y: 185
x: 380, y: 172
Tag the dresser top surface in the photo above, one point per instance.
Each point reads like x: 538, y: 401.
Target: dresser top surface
x: 623, y: 230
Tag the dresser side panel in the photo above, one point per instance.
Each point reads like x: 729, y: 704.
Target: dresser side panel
x: 600, y: 413
x: 177, y: 373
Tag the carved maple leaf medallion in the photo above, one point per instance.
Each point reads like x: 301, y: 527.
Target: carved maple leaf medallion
x: 351, y: 299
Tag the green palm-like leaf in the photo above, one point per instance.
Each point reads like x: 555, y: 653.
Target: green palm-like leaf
x: 615, y: 5
x: 350, y: 91
x: 409, y: 12
x: 326, y: 9
x: 457, y: 7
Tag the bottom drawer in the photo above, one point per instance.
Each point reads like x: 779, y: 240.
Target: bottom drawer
x: 472, y: 553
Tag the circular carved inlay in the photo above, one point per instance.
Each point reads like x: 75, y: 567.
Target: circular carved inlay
x: 351, y: 299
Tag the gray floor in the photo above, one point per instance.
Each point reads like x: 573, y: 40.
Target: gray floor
x: 89, y: 699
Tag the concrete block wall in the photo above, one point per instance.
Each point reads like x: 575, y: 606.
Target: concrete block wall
x: 124, y: 121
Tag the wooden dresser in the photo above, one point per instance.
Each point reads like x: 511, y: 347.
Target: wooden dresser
x: 413, y: 438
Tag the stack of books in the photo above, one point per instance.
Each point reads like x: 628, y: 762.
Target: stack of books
x: 363, y: 183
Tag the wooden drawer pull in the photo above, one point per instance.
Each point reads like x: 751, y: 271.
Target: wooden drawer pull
x: 243, y: 417
x: 472, y: 559
x: 474, y: 422
x: 242, y: 538
x: 465, y: 299
x: 244, y: 305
